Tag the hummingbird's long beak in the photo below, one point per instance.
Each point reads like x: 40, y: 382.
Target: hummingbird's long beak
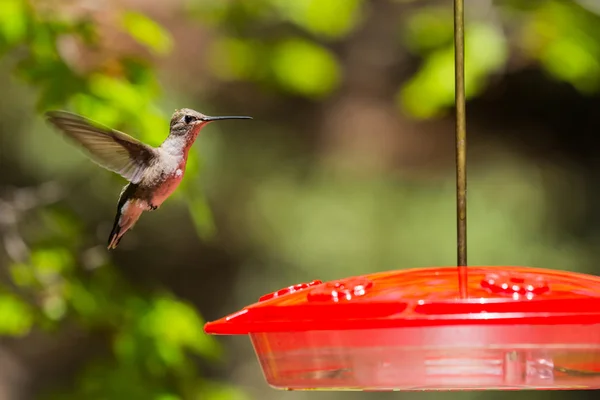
x: 208, y: 119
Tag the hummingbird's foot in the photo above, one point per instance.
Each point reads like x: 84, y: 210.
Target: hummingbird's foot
x: 153, y: 207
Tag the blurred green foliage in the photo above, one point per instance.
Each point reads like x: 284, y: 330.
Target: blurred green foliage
x: 148, y: 32
x: 565, y: 38
x: 154, y: 336
x: 431, y: 90
x: 562, y: 36
x: 293, y: 64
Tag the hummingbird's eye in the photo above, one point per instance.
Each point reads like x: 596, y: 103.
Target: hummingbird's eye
x: 189, y: 119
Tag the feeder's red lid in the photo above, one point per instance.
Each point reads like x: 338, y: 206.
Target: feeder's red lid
x: 423, y: 297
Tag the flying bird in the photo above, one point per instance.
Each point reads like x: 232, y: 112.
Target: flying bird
x: 153, y: 172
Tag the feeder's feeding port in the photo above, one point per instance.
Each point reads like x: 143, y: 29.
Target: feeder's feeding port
x: 519, y: 328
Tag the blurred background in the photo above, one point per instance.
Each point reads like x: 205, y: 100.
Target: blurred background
x: 347, y: 168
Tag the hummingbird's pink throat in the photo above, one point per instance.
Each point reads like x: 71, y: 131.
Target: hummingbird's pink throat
x: 193, y: 135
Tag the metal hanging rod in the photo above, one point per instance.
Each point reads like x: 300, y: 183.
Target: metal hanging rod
x: 461, y: 144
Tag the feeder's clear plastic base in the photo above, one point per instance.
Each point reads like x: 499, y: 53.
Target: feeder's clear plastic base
x: 344, y: 364
x: 518, y: 328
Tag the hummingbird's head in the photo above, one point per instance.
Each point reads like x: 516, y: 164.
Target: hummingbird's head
x: 185, y: 121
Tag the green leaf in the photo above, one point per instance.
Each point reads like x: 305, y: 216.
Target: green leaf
x: 51, y: 262
x: 147, y: 32
x: 175, y: 326
x: 16, y: 317
x: 565, y: 39
x: 431, y: 90
x: 429, y: 29
x: 305, y: 68
x: 569, y: 59
x: 13, y: 20
x: 101, y: 111
x: 118, y: 91
x: 331, y: 18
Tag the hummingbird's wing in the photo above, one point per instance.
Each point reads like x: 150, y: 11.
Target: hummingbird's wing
x: 111, y: 149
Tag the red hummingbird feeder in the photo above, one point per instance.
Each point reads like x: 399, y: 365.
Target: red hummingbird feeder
x: 449, y: 328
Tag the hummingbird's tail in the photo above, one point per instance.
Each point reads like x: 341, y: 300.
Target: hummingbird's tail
x: 128, y: 212
x: 115, y: 238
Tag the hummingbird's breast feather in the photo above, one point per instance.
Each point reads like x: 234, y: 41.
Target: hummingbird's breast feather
x: 161, y: 179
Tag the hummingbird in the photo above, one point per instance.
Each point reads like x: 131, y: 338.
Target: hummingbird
x: 153, y: 172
